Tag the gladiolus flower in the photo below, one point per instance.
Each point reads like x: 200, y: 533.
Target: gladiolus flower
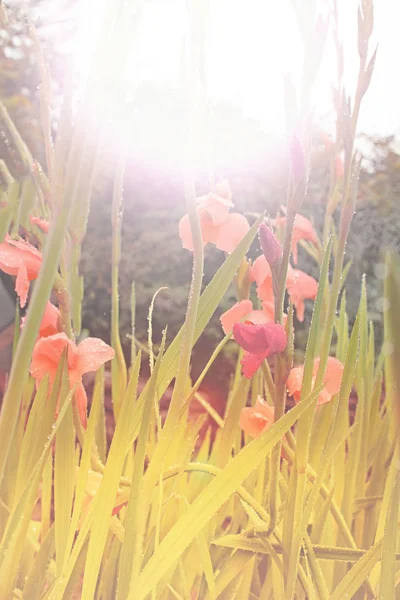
x: 302, y: 230
x: 218, y: 226
x: 259, y: 342
x: 242, y: 312
x: 41, y: 223
x: 21, y: 259
x: 88, y: 356
x: 270, y: 246
x: 300, y: 287
x: 332, y: 380
x: 254, y: 420
x: 50, y: 323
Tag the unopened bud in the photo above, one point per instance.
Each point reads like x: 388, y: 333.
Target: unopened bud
x: 270, y: 246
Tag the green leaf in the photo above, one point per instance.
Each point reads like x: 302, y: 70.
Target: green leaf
x: 12, y: 542
x: 387, y: 583
x: 212, y: 498
x: 137, y: 509
x: 104, y: 500
x: 64, y: 479
x: 35, y: 582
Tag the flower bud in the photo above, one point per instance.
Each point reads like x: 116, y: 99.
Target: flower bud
x: 270, y: 246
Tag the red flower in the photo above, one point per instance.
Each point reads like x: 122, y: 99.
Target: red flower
x: 218, y: 226
x: 50, y: 323
x: 332, y: 380
x: 259, y: 342
x: 88, y: 356
x: 300, y: 287
x: 256, y: 419
x: 21, y: 259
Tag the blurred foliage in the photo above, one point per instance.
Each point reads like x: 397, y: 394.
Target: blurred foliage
x: 20, y: 75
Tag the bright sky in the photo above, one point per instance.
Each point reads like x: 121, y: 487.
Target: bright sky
x: 250, y: 45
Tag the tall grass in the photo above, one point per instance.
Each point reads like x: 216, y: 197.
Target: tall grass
x: 307, y: 509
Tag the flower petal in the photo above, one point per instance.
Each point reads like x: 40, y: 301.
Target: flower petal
x: 41, y: 223
x: 295, y: 381
x: 92, y: 353
x: 235, y: 315
x: 260, y: 271
x: 81, y: 403
x: 47, y: 354
x: 266, y: 339
x: 332, y: 377
x: 22, y: 284
x: 251, y: 363
x: 231, y: 232
x: 265, y: 291
x: 258, y: 317
x: 255, y: 419
x: 216, y: 206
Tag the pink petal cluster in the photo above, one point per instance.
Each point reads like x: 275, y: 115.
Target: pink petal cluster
x: 300, y: 287
x: 243, y: 312
x: 259, y: 342
x: 83, y: 358
x: 302, y: 230
x: 332, y: 380
x: 218, y: 225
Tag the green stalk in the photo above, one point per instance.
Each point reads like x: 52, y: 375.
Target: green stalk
x: 118, y: 365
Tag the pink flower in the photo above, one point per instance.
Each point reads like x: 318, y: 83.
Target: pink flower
x: 332, y: 380
x: 300, y: 287
x: 259, y: 342
x: 254, y: 420
x: 50, y: 323
x: 302, y: 230
x: 88, y: 356
x: 243, y: 312
x: 218, y: 226
x: 21, y: 259
x: 41, y: 223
